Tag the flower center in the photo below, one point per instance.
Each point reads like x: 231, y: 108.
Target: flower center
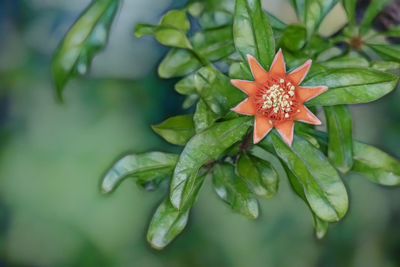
x: 277, y: 99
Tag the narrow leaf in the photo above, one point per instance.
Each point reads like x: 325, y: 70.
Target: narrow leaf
x: 203, y: 147
x: 176, y: 130
x: 86, y: 38
x: 322, y: 186
x: 350, y: 8
x: 340, y: 130
x: 234, y: 191
x: 387, y: 52
x: 252, y: 32
x: 372, y: 11
x: 350, y: 60
x: 351, y: 85
x: 144, y: 167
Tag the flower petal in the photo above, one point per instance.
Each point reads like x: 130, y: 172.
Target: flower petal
x: 278, y: 66
x: 298, y: 75
x: 306, y: 116
x: 307, y: 93
x: 246, y: 107
x: 262, y: 126
x: 248, y: 87
x: 285, y: 129
x: 259, y: 74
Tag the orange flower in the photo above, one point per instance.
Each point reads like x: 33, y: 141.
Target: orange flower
x: 275, y: 98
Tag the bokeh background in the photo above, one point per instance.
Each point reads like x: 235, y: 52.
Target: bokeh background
x: 52, y: 157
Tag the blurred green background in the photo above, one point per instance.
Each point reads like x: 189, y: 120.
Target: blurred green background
x: 52, y: 157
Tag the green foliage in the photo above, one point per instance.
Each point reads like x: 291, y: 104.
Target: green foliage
x: 85, y: 38
x: 217, y: 141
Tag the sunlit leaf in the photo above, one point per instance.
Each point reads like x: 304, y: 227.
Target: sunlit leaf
x: 385, y: 65
x: 340, y: 130
x: 203, y: 147
x: 350, y: 60
x: 351, y: 85
x: 176, y: 130
x: 233, y: 190
x: 252, y: 32
x: 144, y: 167
x: 86, y: 37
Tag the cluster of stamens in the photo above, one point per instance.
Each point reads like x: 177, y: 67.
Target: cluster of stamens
x: 278, y: 100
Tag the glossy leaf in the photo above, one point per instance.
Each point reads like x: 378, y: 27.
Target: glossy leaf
x: 385, y: 65
x: 86, y: 37
x: 321, y: 183
x: 203, y: 116
x: 171, y: 30
x: 176, y: 130
x: 276, y: 24
x: 144, y: 167
x: 215, y: 89
x: 374, y: 8
x: 234, y: 191
x: 252, y: 32
x: 186, y: 86
x: 168, y: 222
x: 350, y: 60
x: 294, y: 37
x: 320, y: 226
x: 259, y: 174
x: 340, y: 130
x: 350, y: 8
x: 203, y: 147
x: 351, y: 85
x: 376, y: 165
x: 312, y: 12
x: 178, y: 62
x: 240, y: 70
x: 387, y: 52
x: 189, y: 101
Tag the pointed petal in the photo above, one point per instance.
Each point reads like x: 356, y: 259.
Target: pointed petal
x: 262, y: 126
x: 285, y: 129
x: 248, y: 87
x: 246, y: 107
x: 307, y: 93
x: 278, y: 66
x: 259, y: 74
x: 298, y: 75
x: 306, y: 116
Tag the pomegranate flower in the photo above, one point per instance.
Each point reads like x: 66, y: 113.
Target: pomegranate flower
x: 275, y: 98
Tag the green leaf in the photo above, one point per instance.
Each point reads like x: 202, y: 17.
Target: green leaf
x: 376, y: 165
x: 178, y: 62
x: 190, y: 100
x: 320, y: 226
x: 387, y: 52
x: 259, y: 174
x: 351, y: 85
x: 176, y: 130
x: 195, y: 9
x: 294, y: 37
x: 171, y: 30
x: 393, y: 32
x: 340, y: 130
x: 86, y: 37
x: 252, y: 32
x: 215, y: 89
x: 350, y: 8
x: 186, y: 86
x: 372, y: 11
x: 312, y: 12
x: 349, y: 60
x: 234, y: 191
x: 319, y: 180
x: 144, y: 167
x: 215, y: 19
x: 240, y: 70
x: 203, y: 147
x: 276, y: 24
x: 203, y: 116
x: 385, y: 65
x: 168, y: 222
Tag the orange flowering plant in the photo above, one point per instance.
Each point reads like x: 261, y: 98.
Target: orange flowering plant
x: 238, y: 61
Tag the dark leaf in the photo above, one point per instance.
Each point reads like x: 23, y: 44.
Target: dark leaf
x: 372, y: 11
x: 203, y: 116
x: 86, y: 37
x: 234, y: 191
x: 293, y: 37
x: 203, y: 147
